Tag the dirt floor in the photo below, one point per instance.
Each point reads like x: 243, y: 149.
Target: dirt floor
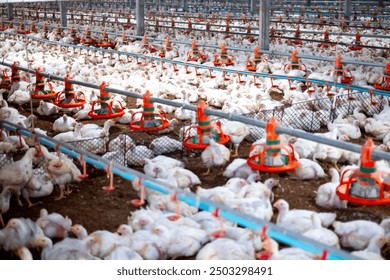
x: 96, y: 209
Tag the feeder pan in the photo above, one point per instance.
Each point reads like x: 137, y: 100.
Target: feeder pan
x: 297, y: 40
x: 203, y: 129
x: 346, y: 76
x: 364, y: 185
x: 87, y: 39
x: 39, y: 91
x: 270, y: 157
x: 22, y: 30
x: 107, y: 109
x: 251, y: 64
x: 3, y: 27
x: 326, y: 44
x: 5, y: 81
x: 149, y: 121
x: 295, y: 65
x: 69, y: 98
x: 195, y: 54
x: 383, y: 83
x: 223, y: 58
x: 357, y: 45
x: 73, y: 35
x: 146, y: 45
x: 105, y: 42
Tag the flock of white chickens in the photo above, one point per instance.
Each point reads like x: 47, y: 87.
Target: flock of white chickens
x: 166, y: 228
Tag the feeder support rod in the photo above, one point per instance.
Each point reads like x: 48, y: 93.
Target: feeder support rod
x: 63, y: 12
x: 264, y: 24
x: 140, y: 8
x: 10, y: 11
x: 347, y: 9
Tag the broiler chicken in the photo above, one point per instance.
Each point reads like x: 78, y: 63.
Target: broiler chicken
x: 237, y: 132
x: 351, y: 130
x: 54, y: 225
x: 215, y: 155
x: 326, y: 194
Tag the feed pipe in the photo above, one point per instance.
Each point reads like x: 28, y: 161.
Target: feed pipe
x: 280, y: 234
x: 272, y: 53
x: 377, y: 155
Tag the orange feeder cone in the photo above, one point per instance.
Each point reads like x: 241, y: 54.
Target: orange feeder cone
x: 149, y: 120
x: 69, y: 98
x: 357, y: 45
x: 364, y: 185
x: 272, y: 156
x: 251, y: 64
x: 124, y: 39
x: 346, y: 76
x: 383, y: 83
x: 223, y: 58
x: 203, y: 131
x: 87, y: 39
x: 107, y: 109
x: 40, y: 92
x: 195, y: 55
x: 295, y: 65
x: 105, y: 42
x: 168, y: 45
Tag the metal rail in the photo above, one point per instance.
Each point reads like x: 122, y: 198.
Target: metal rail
x: 279, y: 234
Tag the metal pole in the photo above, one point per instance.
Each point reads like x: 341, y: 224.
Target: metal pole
x: 253, y: 6
x: 185, y: 5
x: 140, y: 8
x: 10, y: 11
x: 347, y: 9
x: 308, y: 2
x: 63, y: 12
x: 264, y: 24
x: 381, y: 3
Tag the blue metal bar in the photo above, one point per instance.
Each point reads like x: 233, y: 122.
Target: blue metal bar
x: 280, y: 234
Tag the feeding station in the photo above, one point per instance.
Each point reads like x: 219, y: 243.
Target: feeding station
x: 3, y: 26
x: 105, y: 42
x: 22, y: 29
x: 39, y: 91
x: 326, y: 44
x: 295, y: 65
x: 272, y: 156
x: 73, y: 35
x: 203, y: 131
x: 383, y: 82
x: 69, y: 98
x: 297, y: 38
x: 357, y: 44
x: 365, y: 185
x: 345, y: 77
x: 195, y: 54
x: 149, y: 120
x: 87, y: 39
x: 7, y: 81
x: 147, y: 46
x: 251, y: 64
x: 223, y: 58
x: 107, y: 109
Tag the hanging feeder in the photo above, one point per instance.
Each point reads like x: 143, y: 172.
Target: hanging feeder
x: 22, y: 29
x: 3, y: 26
x: 203, y: 132
x: 39, y: 91
x: 127, y: 25
x: 195, y: 54
x: 69, y: 98
x: 150, y: 121
x: 295, y: 65
x: 124, y: 39
x: 272, y: 156
x: 344, y: 76
x: 326, y: 44
x: 87, y: 39
x: 297, y: 38
x: 223, y: 58
x: 248, y: 36
x: 107, y: 109
x: 383, y: 82
x: 357, y: 44
x: 105, y: 42
x: 365, y: 185
x: 251, y: 64
x: 73, y: 35
x: 33, y: 28
x: 5, y: 81
x: 147, y: 46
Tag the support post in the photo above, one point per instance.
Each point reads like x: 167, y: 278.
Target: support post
x: 10, y: 11
x: 381, y: 3
x: 185, y: 5
x: 63, y: 13
x: 264, y: 24
x: 308, y: 3
x: 140, y: 13
x: 347, y: 9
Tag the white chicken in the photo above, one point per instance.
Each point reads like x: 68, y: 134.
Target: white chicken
x: 351, y: 130
x: 54, y: 225
x: 238, y: 168
x: 70, y: 136
x: 321, y: 234
x: 165, y: 145
x: 64, y: 124
x: 377, y: 128
x: 46, y: 108
x: 308, y: 170
x: 95, y: 131
x: 237, y: 132
x: 373, y: 250
x: 215, y: 155
x: 326, y: 194
x: 152, y: 166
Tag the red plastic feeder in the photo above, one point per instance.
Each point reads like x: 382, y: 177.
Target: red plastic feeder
x: 251, y: 64
x: 195, y: 54
x: 69, y: 98
x: 22, y: 29
x: 73, y: 35
x: 295, y: 65
x: 269, y: 158
x: 383, y: 83
x: 107, y: 109
x: 345, y: 76
x: 357, y: 45
x: 87, y: 39
x: 105, y: 42
x: 200, y: 141
x: 326, y: 44
x: 5, y: 81
x: 223, y: 58
x: 149, y: 120
x: 3, y: 27
x: 297, y: 40
x: 146, y: 45
x: 364, y: 185
x: 40, y: 92
x: 248, y: 36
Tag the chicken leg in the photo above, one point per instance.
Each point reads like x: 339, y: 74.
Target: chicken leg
x: 207, y: 172
x: 336, y: 166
